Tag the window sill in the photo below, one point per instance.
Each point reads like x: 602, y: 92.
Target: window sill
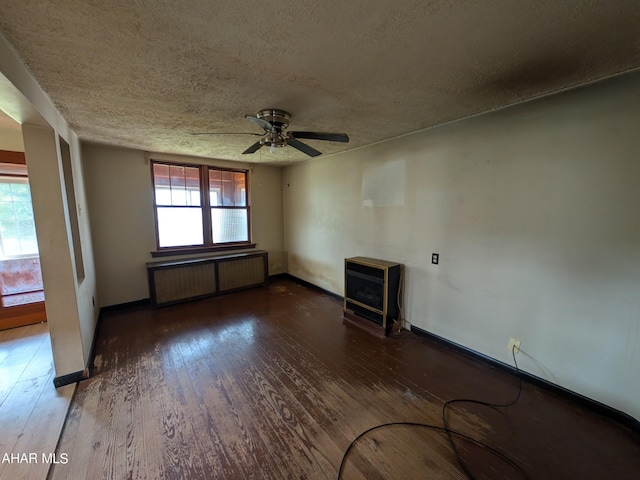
x: 168, y: 252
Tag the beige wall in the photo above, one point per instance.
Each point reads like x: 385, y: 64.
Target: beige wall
x: 10, y: 134
x: 121, y: 201
x: 535, y: 212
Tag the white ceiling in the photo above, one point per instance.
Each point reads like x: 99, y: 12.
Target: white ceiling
x: 145, y: 74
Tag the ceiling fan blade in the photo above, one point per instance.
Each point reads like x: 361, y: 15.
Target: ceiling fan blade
x: 225, y: 133
x: 331, y: 137
x: 303, y: 147
x: 253, y: 148
x: 262, y: 123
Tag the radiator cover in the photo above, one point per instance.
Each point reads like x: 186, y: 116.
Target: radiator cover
x: 179, y: 281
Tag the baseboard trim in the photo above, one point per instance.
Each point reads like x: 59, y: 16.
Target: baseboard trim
x: 610, y: 412
x: 310, y: 285
x: 144, y: 302
x: 278, y: 276
x: 69, y: 378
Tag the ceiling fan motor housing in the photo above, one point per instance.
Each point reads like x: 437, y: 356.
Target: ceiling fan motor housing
x: 279, y: 120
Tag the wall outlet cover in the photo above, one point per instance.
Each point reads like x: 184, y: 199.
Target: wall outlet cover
x: 514, y: 343
x: 435, y: 258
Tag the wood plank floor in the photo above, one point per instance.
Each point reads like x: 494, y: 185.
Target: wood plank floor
x: 270, y: 383
x: 32, y: 411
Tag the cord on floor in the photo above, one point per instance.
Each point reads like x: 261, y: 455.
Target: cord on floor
x: 452, y: 433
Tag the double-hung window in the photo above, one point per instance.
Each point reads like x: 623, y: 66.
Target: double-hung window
x: 200, y: 207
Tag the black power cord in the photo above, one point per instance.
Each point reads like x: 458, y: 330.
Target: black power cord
x: 452, y: 433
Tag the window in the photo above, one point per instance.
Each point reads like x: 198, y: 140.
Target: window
x: 17, y: 227
x: 199, y: 207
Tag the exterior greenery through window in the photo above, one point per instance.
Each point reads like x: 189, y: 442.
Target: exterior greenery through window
x: 200, y: 206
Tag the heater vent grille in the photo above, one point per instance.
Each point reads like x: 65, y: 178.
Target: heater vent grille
x: 371, y: 290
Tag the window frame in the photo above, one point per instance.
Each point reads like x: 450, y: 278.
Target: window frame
x: 205, y: 205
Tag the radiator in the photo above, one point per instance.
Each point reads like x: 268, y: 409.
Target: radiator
x: 179, y: 281
x: 241, y: 272
x: 183, y: 282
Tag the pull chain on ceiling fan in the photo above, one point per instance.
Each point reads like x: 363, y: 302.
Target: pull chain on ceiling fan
x: 275, y: 122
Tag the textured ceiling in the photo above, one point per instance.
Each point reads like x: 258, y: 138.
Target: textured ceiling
x: 144, y: 74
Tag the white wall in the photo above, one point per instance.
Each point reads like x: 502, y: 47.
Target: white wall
x: 86, y: 289
x: 54, y: 244
x: 70, y: 311
x: 535, y: 212
x: 121, y: 201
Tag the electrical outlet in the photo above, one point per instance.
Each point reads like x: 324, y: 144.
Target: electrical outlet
x: 435, y: 258
x: 514, y: 343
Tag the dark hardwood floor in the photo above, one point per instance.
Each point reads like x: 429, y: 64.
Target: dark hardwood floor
x: 270, y: 383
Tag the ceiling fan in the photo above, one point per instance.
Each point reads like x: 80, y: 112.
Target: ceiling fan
x: 275, y: 123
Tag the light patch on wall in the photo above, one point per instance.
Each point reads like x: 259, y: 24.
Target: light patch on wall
x: 383, y: 185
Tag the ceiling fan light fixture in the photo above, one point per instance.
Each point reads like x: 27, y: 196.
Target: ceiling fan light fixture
x: 275, y: 140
